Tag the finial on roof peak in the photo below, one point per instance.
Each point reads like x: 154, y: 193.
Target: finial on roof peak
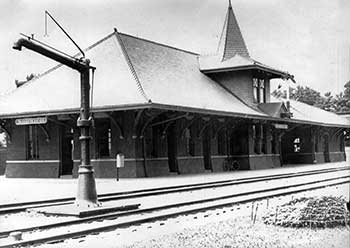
x: 229, y: 4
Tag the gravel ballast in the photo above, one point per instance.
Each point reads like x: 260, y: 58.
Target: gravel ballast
x: 240, y: 225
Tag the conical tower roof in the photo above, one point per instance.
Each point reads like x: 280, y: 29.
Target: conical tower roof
x: 231, y: 40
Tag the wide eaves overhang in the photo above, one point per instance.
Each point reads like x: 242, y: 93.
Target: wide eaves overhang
x: 215, y: 64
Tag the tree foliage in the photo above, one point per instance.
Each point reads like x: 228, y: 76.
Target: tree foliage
x: 337, y: 103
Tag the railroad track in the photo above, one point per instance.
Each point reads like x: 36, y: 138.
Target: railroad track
x: 16, y: 207
x: 78, y: 227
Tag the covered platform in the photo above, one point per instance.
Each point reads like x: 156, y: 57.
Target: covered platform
x: 16, y: 190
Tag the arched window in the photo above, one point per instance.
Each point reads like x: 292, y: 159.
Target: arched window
x: 296, y: 145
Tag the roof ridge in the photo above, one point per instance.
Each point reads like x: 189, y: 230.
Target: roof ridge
x: 56, y: 67
x: 131, y: 67
x: 161, y: 44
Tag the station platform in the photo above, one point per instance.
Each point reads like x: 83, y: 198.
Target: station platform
x: 15, y: 190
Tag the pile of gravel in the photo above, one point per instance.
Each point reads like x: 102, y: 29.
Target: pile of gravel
x: 326, y: 211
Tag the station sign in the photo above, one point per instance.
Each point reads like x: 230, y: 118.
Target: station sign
x: 31, y: 121
x: 280, y: 126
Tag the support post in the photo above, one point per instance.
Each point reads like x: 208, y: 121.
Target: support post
x: 86, y: 196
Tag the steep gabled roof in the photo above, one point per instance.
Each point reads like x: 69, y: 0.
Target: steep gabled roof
x: 231, y: 40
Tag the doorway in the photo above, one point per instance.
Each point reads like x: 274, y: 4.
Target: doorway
x: 66, y: 151
x: 172, y: 149
x: 207, y: 150
x: 326, y: 148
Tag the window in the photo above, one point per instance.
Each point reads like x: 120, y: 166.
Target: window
x: 32, y: 142
x: 259, y: 95
x: 222, y: 142
x: 155, y: 141
x: 255, y: 139
x: 189, y: 142
x: 316, y: 143
x: 341, y: 142
x: 103, y: 138
x: 263, y: 137
x: 255, y: 89
x: 262, y: 95
x: 273, y: 144
x: 296, y: 145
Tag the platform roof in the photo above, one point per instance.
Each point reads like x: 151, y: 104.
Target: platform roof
x: 305, y: 113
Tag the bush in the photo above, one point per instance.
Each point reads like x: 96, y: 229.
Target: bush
x: 326, y: 211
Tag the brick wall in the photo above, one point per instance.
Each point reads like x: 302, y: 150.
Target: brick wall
x: 47, y: 165
x: 3, y: 155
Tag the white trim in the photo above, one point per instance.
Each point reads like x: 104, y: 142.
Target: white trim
x: 112, y: 160
x: 190, y: 157
x: 263, y: 155
x: 218, y: 156
x: 31, y: 161
x: 160, y: 159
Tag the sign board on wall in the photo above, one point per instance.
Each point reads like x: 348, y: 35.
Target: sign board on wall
x: 280, y: 126
x: 31, y: 121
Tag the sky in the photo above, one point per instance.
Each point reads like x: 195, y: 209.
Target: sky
x: 309, y: 39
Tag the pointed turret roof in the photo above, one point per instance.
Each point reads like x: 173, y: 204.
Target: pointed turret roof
x: 231, y: 40
x: 232, y: 53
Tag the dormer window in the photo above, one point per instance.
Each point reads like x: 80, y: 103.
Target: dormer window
x: 259, y: 95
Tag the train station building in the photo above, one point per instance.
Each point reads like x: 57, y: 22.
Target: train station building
x: 169, y: 111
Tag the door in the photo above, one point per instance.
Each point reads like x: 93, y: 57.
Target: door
x: 326, y: 148
x: 207, y: 150
x: 172, y: 149
x: 66, y: 151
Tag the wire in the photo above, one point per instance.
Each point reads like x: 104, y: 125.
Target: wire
x: 64, y: 31
x: 45, y: 26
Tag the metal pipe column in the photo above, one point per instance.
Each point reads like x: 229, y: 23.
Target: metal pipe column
x: 86, y: 195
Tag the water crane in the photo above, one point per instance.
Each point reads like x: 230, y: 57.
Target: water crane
x: 86, y: 195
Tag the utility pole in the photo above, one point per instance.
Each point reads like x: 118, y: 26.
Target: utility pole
x: 86, y: 195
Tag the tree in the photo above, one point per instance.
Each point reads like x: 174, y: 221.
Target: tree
x: 339, y: 103
x: 302, y: 94
x: 343, y: 99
